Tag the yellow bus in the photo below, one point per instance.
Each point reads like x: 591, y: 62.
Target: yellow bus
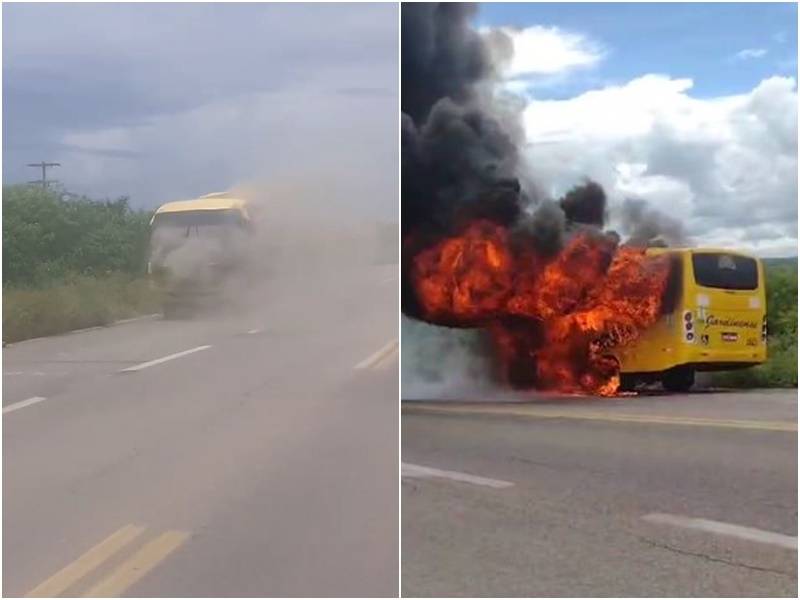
x: 714, y: 318
x: 195, y: 247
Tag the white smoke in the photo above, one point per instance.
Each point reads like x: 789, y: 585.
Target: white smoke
x: 444, y: 364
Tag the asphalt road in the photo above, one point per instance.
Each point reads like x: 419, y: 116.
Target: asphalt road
x: 661, y: 495
x: 246, y: 454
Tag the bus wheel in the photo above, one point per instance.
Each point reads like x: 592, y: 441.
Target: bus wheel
x: 679, y: 379
x: 521, y: 374
x: 171, y: 311
x: 627, y: 383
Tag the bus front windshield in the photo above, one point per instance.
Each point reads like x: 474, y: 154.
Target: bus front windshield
x: 197, y: 232
x: 199, y: 220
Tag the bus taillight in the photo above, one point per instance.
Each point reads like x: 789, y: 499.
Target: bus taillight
x: 688, y: 326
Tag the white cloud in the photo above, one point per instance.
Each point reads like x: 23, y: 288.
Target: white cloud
x: 540, y: 50
x: 748, y: 53
x: 725, y: 166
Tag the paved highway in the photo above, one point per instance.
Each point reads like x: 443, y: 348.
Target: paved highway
x: 247, y: 454
x: 660, y: 495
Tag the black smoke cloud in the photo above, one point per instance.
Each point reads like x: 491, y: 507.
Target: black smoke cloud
x: 459, y: 161
x: 443, y: 57
x: 647, y: 226
x: 585, y: 204
x: 461, y: 143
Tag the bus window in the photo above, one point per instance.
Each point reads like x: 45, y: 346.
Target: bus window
x: 725, y: 271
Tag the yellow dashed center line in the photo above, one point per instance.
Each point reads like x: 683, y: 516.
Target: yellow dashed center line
x: 87, y: 563
x: 138, y: 565
x: 141, y: 562
x: 528, y: 412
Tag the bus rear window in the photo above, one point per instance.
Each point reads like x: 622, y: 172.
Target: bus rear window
x: 725, y: 271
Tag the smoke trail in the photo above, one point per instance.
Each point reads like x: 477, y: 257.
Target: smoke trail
x: 443, y: 57
x: 647, y: 226
x: 456, y: 152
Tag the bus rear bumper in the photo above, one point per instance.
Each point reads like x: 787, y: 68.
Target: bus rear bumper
x: 705, y: 367
x: 699, y: 360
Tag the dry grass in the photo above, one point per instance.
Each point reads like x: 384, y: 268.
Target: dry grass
x: 76, y: 303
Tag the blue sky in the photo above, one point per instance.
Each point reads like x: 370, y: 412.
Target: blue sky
x: 691, y: 108
x: 699, y: 41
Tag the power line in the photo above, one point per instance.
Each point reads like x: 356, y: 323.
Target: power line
x: 43, y: 166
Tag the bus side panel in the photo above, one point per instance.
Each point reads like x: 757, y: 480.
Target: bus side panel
x: 662, y: 347
x: 659, y: 348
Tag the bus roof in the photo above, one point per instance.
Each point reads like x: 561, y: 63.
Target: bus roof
x: 661, y: 250
x: 217, y: 201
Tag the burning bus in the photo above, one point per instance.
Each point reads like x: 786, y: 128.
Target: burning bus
x: 563, y: 302
x: 196, y: 248
x: 713, y: 318
x: 597, y: 317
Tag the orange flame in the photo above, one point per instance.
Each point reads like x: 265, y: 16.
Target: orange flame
x: 553, y: 320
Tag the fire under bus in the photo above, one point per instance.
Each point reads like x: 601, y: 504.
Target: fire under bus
x: 713, y: 318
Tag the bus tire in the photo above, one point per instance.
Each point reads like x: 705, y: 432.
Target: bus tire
x: 521, y: 375
x: 627, y: 383
x: 172, y: 311
x: 679, y: 379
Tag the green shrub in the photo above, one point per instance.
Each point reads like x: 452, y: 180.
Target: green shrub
x: 782, y: 300
x: 779, y: 371
x: 71, y: 262
x: 46, y: 237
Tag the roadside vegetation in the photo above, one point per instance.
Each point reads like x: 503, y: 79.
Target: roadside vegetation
x: 780, y: 370
x: 71, y: 262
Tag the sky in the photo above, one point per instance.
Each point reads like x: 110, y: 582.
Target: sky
x: 691, y: 107
x: 168, y: 101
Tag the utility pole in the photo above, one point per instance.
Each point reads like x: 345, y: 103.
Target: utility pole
x: 43, y: 165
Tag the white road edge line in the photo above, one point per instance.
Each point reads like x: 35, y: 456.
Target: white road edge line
x: 421, y: 472
x: 388, y: 359
x: 163, y: 359
x: 377, y: 356
x: 728, y: 529
x: 22, y: 404
x: 37, y: 373
x: 254, y: 331
x: 135, y: 319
